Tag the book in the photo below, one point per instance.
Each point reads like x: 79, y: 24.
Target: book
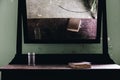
x: 80, y: 65
x: 74, y: 24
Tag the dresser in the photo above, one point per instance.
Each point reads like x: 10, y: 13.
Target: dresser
x: 63, y: 72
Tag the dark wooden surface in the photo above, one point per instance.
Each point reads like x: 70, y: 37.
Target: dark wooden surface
x: 55, y: 72
x: 59, y: 67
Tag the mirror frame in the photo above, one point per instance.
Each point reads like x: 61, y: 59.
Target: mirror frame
x: 103, y: 58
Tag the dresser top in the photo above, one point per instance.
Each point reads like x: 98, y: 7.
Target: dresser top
x: 54, y: 67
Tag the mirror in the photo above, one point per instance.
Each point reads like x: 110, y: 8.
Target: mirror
x: 62, y: 21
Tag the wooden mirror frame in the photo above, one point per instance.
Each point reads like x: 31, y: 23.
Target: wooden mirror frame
x: 103, y: 58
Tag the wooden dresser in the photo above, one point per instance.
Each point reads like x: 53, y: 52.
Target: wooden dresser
x: 63, y: 72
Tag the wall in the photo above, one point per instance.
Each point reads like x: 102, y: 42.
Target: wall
x: 8, y: 26
x: 113, y: 10
x: 8, y: 22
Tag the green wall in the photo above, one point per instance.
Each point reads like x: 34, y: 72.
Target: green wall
x: 113, y: 16
x: 8, y: 27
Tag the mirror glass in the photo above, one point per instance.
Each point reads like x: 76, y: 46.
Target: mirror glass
x: 62, y: 21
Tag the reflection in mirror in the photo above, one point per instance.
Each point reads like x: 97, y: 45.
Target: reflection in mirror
x: 61, y: 21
